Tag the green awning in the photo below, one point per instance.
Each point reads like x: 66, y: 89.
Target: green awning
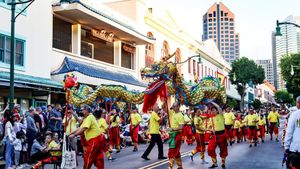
x: 32, y: 80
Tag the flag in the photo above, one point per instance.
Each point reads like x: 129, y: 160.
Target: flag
x: 221, y: 77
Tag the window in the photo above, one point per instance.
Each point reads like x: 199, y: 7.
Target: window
x: 5, y: 50
x: 62, y: 35
x: 96, y: 48
x: 226, y: 19
x: 210, y: 15
x: 222, y: 13
x: 127, y: 56
x: 231, y: 24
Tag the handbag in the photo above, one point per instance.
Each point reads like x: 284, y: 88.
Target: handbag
x: 68, y: 155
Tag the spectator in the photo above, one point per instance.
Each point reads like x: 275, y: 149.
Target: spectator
x: 38, y: 152
x: 292, y: 138
x: 17, y: 143
x: 46, y: 120
x: 16, y: 111
x: 38, y: 121
x: 39, y: 112
x: 55, y: 117
x: 31, y: 131
x: 10, y: 136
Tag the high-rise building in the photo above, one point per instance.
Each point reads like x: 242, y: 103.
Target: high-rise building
x: 286, y: 44
x: 268, y: 67
x: 219, y: 24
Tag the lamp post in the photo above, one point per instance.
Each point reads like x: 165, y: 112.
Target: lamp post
x: 292, y: 69
x: 13, y: 4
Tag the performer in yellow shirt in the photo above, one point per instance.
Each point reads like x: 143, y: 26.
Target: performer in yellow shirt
x: 175, y: 130
x: 135, y: 120
x: 262, y: 127
x: 236, y: 131
x: 187, y: 133
x: 251, y: 120
x: 154, y: 125
x: 219, y: 136
x: 229, y: 120
x: 273, y: 119
x: 114, y: 130
x: 94, y: 140
x: 199, y: 120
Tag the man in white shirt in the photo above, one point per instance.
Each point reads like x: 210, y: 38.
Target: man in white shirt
x: 292, y: 138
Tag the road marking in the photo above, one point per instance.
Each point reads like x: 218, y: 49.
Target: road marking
x: 162, y: 162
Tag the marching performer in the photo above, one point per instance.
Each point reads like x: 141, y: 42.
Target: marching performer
x: 243, y: 127
x: 273, y: 119
x: 200, y: 129
x: 175, y: 129
x: 237, y: 130
x: 135, y: 120
x: 100, y: 116
x: 218, y: 138
x: 251, y: 121
x: 187, y: 133
x: 114, y: 131
x: 229, y: 120
x: 94, y: 140
x: 262, y: 127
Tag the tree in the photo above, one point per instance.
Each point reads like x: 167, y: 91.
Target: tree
x: 232, y: 103
x: 256, y: 104
x: 283, y: 96
x: 243, y: 72
x: 292, y: 81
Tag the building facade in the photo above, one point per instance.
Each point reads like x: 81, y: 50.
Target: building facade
x: 219, y: 25
x: 267, y: 65
x: 287, y: 44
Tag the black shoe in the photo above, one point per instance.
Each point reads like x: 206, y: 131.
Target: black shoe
x: 192, y: 157
x: 262, y: 141
x: 277, y: 140
x: 162, y: 158
x: 111, y: 159
x: 255, y: 144
x: 118, y: 151
x: 145, y: 158
x: 250, y: 145
x: 214, y: 166
x: 271, y: 138
x: 223, y: 166
x: 110, y: 151
x: 238, y: 141
x: 135, y: 150
x: 230, y: 143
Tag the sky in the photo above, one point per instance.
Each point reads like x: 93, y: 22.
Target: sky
x: 255, y: 20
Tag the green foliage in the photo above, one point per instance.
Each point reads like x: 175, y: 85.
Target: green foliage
x: 245, y: 71
x: 292, y: 81
x: 283, y: 96
x: 256, y: 104
x: 232, y: 103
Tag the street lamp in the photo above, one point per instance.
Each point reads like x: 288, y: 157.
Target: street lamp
x: 198, y: 56
x: 13, y: 4
x: 234, y: 77
x: 292, y: 69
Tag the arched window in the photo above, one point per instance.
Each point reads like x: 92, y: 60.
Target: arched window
x: 165, y: 51
x: 149, y: 60
x: 178, y: 59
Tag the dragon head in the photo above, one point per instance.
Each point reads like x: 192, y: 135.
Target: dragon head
x: 159, y: 69
x: 70, y: 81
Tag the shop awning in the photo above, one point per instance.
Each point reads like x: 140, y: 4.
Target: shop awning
x: 96, y: 71
x: 21, y: 80
x: 84, y: 14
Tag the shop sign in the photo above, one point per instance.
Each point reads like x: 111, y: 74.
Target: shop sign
x: 103, y: 35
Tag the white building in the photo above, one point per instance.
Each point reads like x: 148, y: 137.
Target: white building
x: 268, y: 67
x: 286, y: 44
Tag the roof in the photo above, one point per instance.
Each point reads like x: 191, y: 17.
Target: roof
x: 96, y: 71
x: 103, y: 14
x: 33, y: 80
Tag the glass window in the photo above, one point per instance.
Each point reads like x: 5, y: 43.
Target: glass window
x: 5, y: 49
x: 127, y: 56
x: 62, y: 35
x: 19, y: 52
x: 231, y: 24
x: 2, y: 42
x: 226, y: 19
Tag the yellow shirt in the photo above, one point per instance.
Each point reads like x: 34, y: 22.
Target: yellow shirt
x: 154, y: 123
x: 135, y: 118
x: 242, y: 123
x: 229, y: 118
x: 177, y: 119
x: 273, y: 117
x: 237, y: 124
x: 116, y: 123
x: 91, y: 124
x: 218, y: 122
x: 187, y: 119
x: 52, y: 145
x: 71, y: 126
x: 250, y: 119
x: 199, y: 124
x: 102, y: 125
x: 262, y: 121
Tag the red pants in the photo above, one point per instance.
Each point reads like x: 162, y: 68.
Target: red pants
x: 114, y: 137
x: 188, y: 134
x: 244, y: 132
x: 93, y: 153
x: 237, y: 134
x: 273, y: 128
x: 262, y: 131
x: 218, y: 140
x: 134, y: 134
x: 48, y: 160
x: 200, y: 142
x: 175, y: 152
x: 229, y: 132
x: 252, y: 133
